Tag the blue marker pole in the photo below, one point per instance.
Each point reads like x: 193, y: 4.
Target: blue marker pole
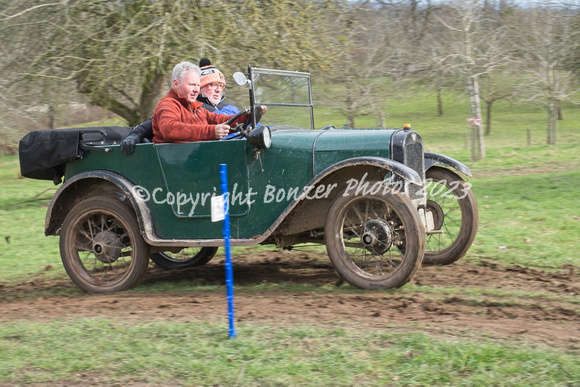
x: 226, y: 233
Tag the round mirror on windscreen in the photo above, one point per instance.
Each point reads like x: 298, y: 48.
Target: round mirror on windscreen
x: 240, y: 78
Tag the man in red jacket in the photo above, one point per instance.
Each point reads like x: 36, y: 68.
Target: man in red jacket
x: 179, y: 117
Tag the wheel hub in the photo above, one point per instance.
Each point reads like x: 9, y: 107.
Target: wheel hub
x: 107, y: 247
x: 438, y: 215
x: 377, y: 236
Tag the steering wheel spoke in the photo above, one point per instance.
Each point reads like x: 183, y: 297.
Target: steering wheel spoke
x: 236, y: 116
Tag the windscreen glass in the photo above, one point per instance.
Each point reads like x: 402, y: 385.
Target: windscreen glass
x: 287, y: 97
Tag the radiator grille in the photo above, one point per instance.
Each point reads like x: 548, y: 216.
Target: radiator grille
x: 414, y: 160
x: 407, y: 148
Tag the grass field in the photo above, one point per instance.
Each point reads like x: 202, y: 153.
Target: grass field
x: 528, y: 199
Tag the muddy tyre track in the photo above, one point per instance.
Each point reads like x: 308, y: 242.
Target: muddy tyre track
x: 466, y: 299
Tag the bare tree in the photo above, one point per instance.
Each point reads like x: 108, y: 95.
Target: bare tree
x: 495, y: 61
x: 496, y: 86
x: 432, y: 60
x: 24, y: 105
x: 463, y: 19
x: 367, y: 56
x: 119, y: 53
x: 544, y: 44
x: 496, y: 58
x: 572, y: 62
x: 356, y: 79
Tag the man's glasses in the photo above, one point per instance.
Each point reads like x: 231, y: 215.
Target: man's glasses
x: 216, y: 86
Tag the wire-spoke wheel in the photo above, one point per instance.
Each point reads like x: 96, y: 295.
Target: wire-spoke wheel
x: 452, y: 204
x: 101, y: 247
x: 375, y: 241
x: 188, y: 257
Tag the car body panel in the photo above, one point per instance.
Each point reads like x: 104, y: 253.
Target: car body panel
x: 177, y: 181
x: 330, y: 146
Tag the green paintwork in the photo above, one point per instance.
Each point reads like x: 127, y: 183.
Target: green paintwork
x: 181, y: 178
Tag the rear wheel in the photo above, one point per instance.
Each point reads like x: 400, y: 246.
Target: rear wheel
x: 454, y: 209
x: 101, y: 247
x: 188, y: 257
x: 375, y: 241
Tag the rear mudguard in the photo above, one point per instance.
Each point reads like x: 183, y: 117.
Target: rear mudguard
x: 75, y: 189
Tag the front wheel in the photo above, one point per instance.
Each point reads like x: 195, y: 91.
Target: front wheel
x: 188, y: 257
x: 101, y: 247
x: 452, y: 204
x: 375, y: 241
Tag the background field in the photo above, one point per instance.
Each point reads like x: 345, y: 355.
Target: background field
x: 506, y: 314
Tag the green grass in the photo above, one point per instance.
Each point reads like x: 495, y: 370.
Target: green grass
x: 200, y: 353
x: 530, y: 220
x: 23, y: 204
x: 510, y: 122
x: 529, y: 215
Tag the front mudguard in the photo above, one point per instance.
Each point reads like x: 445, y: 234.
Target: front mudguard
x: 432, y: 159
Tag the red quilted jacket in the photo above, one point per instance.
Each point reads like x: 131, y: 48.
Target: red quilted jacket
x: 175, y: 120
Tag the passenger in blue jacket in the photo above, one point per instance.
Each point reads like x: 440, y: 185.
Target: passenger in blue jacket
x: 212, y: 84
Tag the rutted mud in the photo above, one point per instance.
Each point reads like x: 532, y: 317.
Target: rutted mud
x: 463, y: 299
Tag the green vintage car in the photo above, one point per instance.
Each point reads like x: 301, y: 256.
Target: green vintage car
x: 380, y: 204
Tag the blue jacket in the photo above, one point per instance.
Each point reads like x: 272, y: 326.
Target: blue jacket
x: 221, y: 108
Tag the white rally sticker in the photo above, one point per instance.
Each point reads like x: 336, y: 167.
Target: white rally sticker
x: 217, y: 208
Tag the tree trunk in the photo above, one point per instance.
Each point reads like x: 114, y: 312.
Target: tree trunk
x: 351, y: 120
x: 477, y: 142
x: 381, y: 120
x: 439, y: 103
x: 150, y: 96
x: 51, y: 118
x: 555, y: 131
x: 550, y: 122
x: 488, y: 118
x: 350, y: 112
x: 379, y: 115
x: 555, y: 125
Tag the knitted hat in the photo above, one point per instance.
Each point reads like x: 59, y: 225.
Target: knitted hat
x: 210, y: 74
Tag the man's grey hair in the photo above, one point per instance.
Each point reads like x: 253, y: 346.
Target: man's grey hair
x: 181, y: 68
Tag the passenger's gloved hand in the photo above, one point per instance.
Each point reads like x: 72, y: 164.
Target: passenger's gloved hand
x: 128, y: 144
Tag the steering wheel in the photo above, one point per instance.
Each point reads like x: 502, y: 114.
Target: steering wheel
x: 235, y: 117
x: 248, y: 118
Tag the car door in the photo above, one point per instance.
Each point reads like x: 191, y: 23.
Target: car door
x: 191, y: 177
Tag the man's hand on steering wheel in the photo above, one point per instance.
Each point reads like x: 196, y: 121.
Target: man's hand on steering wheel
x: 235, y: 117
x: 221, y: 131
x: 260, y: 111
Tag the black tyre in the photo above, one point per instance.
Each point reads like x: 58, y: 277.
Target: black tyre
x: 375, y: 241
x: 188, y: 257
x: 454, y: 209
x: 101, y: 247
